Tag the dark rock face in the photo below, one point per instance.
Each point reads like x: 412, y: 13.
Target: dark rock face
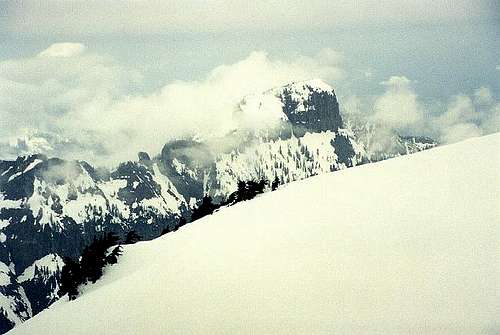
x: 16, y: 182
x: 5, y: 324
x: 143, y: 157
x: 344, y: 150
x: 140, y: 183
x: 318, y: 112
x: 187, y: 163
x: 40, y: 289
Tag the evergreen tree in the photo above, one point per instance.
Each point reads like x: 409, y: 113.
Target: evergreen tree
x: 165, y: 230
x: 262, y: 185
x: 71, y: 278
x: 253, y: 188
x: 242, y: 192
x: 132, y: 237
x: 246, y: 191
x: 275, y: 184
x: 182, y: 222
x: 94, y: 256
x: 92, y: 261
x: 112, y: 258
x: 206, y: 207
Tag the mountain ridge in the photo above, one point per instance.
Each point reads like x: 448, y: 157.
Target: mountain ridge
x: 340, y: 258
x: 60, y: 206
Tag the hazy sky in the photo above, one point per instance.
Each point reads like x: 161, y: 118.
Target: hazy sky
x: 162, y: 66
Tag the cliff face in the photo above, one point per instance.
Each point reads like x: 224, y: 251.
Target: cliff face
x: 310, y: 106
x: 290, y: 132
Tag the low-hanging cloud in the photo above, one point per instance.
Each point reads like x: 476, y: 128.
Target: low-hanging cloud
x: 399, y: 110
x: 37, y: 95
x: 469, y: 116
x: 69, y: 102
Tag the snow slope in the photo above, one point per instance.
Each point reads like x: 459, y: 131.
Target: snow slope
x: 405, y: 246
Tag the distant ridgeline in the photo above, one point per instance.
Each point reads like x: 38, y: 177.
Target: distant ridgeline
x: 51, y: 209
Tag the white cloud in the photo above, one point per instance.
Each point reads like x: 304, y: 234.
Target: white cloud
x: 85, y: 106
x: 398, y: 108
x: 460, y: 109
x: 491, y: 122
x: 203, y: 108
x: 63, y: 50
x: 38, y: 94
x: 469, y: 116
x: 460, y: 131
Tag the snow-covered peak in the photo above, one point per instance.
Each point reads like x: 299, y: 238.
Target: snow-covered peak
x: 300, y: 94
x: 305, y: 87
x: 270, y: 102
x: 308, y: 106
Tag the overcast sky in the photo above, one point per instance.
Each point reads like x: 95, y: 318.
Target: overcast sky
x: 74, y: 72
x: 142, y: 17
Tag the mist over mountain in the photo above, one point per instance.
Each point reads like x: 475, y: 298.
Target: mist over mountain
x: 122, y: 122
x: 69, y: 101
x: 285, y: 134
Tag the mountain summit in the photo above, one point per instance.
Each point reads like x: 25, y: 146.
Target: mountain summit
x: 307, y: 106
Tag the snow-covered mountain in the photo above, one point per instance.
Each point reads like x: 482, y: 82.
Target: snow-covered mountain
x: 51, y: 208
x: 291, y: 132
x: 408, y: 245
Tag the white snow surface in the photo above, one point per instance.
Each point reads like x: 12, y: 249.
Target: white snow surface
x: 4, y: 274
x: 6, y: 203
x: 51, y: 263
x: 409, y: 245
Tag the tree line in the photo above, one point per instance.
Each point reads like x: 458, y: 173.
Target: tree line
x: 90, y: 265
x: 97, y: 255
x: 246, y: 190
